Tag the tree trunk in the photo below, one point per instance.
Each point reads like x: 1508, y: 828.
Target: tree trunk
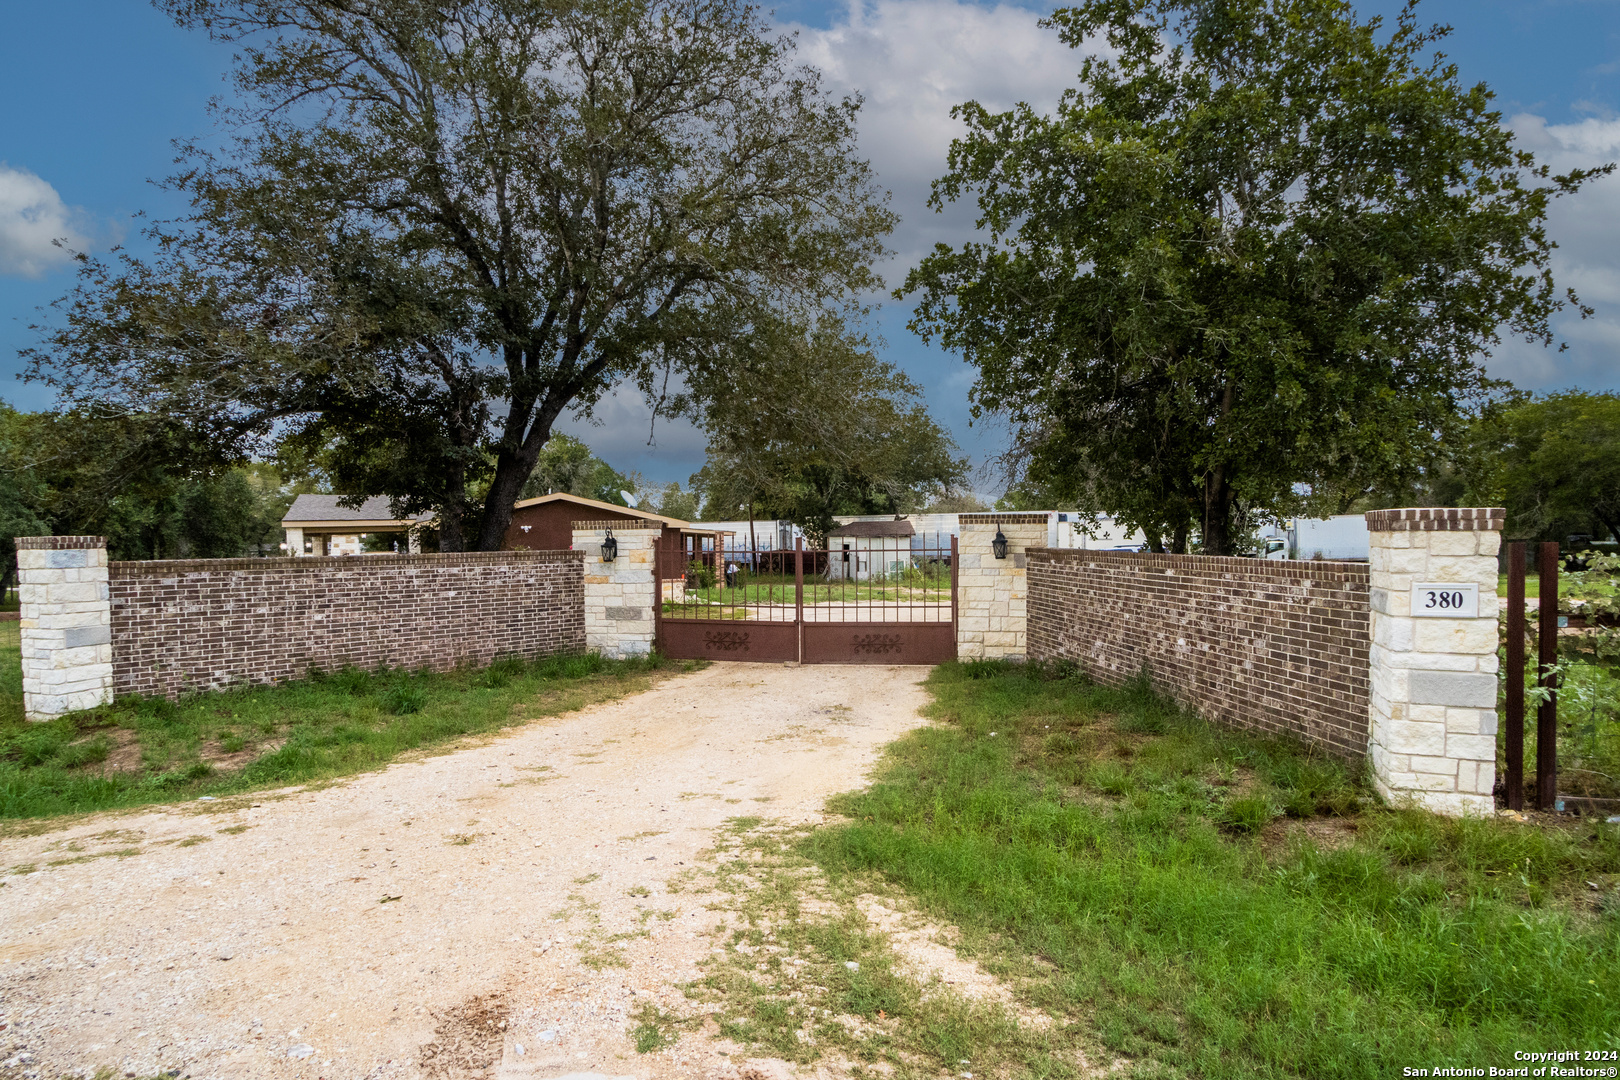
x: 510, y: 473
x: 452, y: 524
x: 1218, y: 496
x: 1178, y: 540
x: 1217, y: 512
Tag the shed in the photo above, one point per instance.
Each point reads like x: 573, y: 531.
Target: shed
x: 863, y: 550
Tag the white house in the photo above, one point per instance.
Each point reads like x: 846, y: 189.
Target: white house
x: 317, y: 525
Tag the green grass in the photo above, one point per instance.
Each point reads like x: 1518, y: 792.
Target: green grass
x: 1532, y: 585
x: 801, y: 973
x: 779, y: 589
x: 138, y: 751
x: 1211, y: 904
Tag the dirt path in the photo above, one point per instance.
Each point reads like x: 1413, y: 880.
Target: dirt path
x: 430, y: 918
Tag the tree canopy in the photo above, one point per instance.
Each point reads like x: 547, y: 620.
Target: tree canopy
x: 567, y: 465
x: 148, y: 491
x: 811, y: 425
x: 1555, y: 465
x: 1246, y: 269
x: 434, y: 228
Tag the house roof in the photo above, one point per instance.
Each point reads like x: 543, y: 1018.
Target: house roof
x: 597, y: 504
x: 324, y: 510
x: 874, y: 528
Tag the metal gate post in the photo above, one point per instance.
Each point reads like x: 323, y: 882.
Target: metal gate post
x: 1547, y: 712
x: 798, y: 593
x: 660, y: 548
x: 1514, y: 734
x: 954, y: 637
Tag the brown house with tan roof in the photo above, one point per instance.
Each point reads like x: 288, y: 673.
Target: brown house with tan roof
x: 546, y: 523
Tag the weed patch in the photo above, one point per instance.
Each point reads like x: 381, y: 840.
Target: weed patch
x: 803, y: 973
x: 1214, y: 904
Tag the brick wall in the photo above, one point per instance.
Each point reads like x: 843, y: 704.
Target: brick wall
x: 206, y: 623
x: 1271, y: 645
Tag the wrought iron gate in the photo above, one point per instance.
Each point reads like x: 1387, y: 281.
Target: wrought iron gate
x: 869, y: 600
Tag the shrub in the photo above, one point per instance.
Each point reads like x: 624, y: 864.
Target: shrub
x: 1247, y: 815
x: 90, y: 752
x: 38, y: 745
x: 404, y: 699
x: 1109, y: 777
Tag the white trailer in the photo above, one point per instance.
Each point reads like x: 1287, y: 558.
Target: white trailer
x: 1342, y: 536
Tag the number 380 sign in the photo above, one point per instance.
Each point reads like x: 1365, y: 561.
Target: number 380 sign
x: 1445, y: 600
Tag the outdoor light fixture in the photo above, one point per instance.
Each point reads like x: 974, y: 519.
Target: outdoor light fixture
x: 610, y: 548
x: 999, y: 544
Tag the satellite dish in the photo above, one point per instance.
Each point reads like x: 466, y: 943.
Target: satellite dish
x: 629, y: 499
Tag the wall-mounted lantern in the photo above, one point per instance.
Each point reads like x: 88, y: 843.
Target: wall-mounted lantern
x: 610, y: 548
x: 999, y: 544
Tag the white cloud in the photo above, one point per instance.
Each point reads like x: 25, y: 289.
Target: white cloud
x: 32, y: 216
x: 915, y: 60
x: 1586, y: 227
x: 912, y: 61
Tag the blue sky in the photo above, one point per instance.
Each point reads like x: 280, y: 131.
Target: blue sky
x: 94, y: 91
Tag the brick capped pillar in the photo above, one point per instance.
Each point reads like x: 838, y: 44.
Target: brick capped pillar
x: 992, y: 594
x: 619, y: 595
x: 66, y: 624
x: 1433, y: 659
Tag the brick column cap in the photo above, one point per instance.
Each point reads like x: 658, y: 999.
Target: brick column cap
x: 1438, y: 519
x: 1002, y: 519
x: 623, y: 524
x: 60, y: 543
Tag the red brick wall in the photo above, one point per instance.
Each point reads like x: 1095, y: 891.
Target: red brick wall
x: 1271, y: 645
x: 206, y: 623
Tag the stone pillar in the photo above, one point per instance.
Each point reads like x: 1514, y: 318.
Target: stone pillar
x: 992, y: 593
x: 295, y: 543
x: 1432, y: 721
x: 66, y: 624
x: 619, y: 595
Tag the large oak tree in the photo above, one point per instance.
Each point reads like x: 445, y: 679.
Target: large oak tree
x: 1249, y: 266
x: 439, y: 224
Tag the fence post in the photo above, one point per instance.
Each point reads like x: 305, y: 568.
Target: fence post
x: 1513, y: 736
x: 66, y: 624
x: 993, y: 594
x: 621, y: 596
x: 1432, y: 722
x: 1546, y: 661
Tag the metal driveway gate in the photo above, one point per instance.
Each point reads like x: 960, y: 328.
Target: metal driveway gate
x: 867, y: 600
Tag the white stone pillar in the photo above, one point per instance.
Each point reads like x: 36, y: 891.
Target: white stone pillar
x: 66, y: 624
x: 992, y: 594
x: 1432, y: 721
x: 619, y: 596
x: 295, y: 542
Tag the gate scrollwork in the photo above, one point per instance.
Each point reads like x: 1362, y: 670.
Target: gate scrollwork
x: 726, y: 640
x: 877, y: 643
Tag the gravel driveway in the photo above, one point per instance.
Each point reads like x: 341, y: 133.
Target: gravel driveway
x: 427, y: 919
